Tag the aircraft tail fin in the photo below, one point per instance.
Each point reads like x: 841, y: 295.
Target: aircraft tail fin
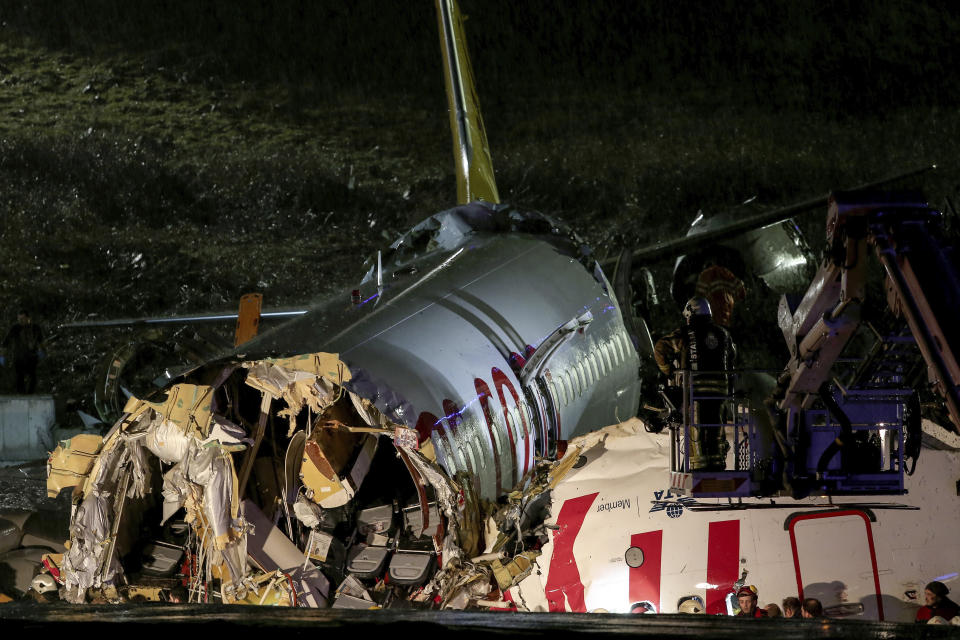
x: 475, y: 179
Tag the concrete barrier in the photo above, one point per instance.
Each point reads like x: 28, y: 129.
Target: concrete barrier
x: 26, y: 427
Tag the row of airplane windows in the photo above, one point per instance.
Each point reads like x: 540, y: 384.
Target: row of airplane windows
x: 568, y: 385
x: 565, y: 387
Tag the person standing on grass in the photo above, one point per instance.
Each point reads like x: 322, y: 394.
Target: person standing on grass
x: 24, y: 344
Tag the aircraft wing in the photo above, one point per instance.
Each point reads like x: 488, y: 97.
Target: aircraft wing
x: 693, y: 242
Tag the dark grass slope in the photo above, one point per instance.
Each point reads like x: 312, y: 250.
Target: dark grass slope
x: 166, y: 157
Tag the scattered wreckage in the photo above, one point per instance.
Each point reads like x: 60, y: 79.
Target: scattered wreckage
x: 283, y: 481
x: 270, y: 482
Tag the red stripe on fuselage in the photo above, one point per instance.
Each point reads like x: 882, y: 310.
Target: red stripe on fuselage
x: 723, y: 563
x: 452, y: 414
x: 563, y: 582
x: 645, y: 579
x: 427, y: 423
x: 484, y: 395
x: 500, y: 380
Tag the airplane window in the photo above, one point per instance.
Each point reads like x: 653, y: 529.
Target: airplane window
x: 502, y: 437
x: 513, y: 422
x: 623, y: 349
x: 534, y: 421
x: 497, y: 433
x: 444, y: 452
x: 553, y: 393
x: 610, y: 353
x: 473, y: 452
x: 591, y: 368
x: 581, y: 378
x: 596, y: 356
x: 520, y: 434
x: 605, y: 352
x: 562, y: 388
x: 567, y: 386
x: 526, y: 408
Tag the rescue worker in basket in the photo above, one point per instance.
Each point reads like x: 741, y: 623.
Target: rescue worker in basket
x: 706, y: 349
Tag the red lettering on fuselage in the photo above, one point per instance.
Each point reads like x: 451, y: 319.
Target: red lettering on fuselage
x: 452, y: 414
x: 427, y: 423
x: 563, y: 582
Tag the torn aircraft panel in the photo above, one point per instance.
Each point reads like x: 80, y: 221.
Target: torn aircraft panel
x: 262, y: 514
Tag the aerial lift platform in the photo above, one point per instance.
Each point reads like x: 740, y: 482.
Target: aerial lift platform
x: 832, y: 425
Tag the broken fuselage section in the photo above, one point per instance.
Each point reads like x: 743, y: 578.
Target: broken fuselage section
x: 259, y: 482
x: 285, y: 474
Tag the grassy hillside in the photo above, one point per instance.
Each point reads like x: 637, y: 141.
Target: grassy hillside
x: 157, y: 175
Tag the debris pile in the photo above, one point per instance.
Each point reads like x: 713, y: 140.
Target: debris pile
x: 271, y: 482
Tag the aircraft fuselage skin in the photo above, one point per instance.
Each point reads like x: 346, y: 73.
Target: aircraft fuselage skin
x: 440, y: 345
x: 623, y: 537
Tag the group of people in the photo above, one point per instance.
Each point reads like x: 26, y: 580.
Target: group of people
x: 792, y: 607
x: 937, y: 609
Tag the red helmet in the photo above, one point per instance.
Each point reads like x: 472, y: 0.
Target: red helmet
x: 747, y: 590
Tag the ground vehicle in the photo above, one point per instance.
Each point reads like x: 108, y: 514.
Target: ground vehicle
x: 791, y: 512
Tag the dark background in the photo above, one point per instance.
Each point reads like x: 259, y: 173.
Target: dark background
x: 166, y: 157
x: 842, y: 55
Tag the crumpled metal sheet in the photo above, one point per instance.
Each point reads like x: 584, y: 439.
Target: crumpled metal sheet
x: 226, y: 434
x: 622, y: 451
x: 71, y: 462
x: 187, y: 405
x: 88, y: 531
x: 212, y: 469
x: 312, y: 381
x: 141, y: 473
x: 199, y: 464
x: 167, y: 440
x: 203, y: 481
x: 393, y: 406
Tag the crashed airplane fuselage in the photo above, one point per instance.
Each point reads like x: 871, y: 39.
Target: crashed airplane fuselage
x: 460, y: 366
x: 486, y: 330
x: 404, y: 442
x: 371, y: 436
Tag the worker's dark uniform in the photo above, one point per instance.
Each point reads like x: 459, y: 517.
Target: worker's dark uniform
x: 23, y: 342
x: 706, y: 349
x: 757, y: 613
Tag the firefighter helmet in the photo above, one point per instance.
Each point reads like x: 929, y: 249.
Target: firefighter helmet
x: 696, y: 307
x: 747, y: 590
